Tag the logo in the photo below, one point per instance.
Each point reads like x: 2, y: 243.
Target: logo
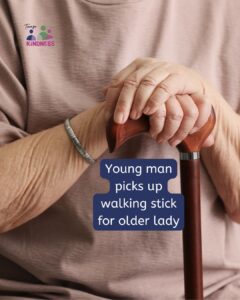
x: 39, y: 36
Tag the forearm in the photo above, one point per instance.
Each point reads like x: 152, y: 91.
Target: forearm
x: 223, y: 159
x: 37, y: 170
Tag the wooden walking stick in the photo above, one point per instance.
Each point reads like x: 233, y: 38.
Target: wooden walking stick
x: 189, y: 149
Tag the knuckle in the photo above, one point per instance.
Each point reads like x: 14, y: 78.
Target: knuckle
x: 130, y: 82
x: 161, y: 114
x: 150, y: 59
x: 164, y: 86
x: 164, y: 64
x: 115, y: 81
x: 192, y: 114
x: 175, y: 116
x: 206, y: 105
x: 139, y: 60
x: 145, y: 60
x: 148, y: 81
x: 121, y: 106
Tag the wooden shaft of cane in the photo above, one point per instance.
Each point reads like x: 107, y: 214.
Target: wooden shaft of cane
x: 190, y: 186
x: 189, y: 149
x: 192, y: 240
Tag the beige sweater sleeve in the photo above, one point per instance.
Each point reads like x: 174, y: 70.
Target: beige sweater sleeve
x: 222, y: 160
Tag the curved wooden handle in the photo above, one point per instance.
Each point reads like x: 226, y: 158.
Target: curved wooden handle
x: 117, y: 134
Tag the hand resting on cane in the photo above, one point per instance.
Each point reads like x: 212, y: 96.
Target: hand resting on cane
x: 178, y: 102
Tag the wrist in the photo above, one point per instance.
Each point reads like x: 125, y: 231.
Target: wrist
x: 90, y: 128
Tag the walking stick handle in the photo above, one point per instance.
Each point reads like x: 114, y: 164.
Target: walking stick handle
x: 117, y: 134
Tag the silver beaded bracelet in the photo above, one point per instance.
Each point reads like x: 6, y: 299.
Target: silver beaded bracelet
x: 76, y: 143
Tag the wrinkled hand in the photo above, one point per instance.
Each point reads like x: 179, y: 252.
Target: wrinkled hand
x: 172, y: 95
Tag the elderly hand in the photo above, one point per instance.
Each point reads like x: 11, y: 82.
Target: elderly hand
x: 172, y: 95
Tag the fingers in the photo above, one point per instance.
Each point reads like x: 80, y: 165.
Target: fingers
x: 190, y: 116
x: 112, y: 90
x: 204, y: 107
x: 177, y: 118
x: 173, y: 99
x: 119, y: 78
x: 124, y: 102
x: 129, y: 88
x: 157, y: 121
x: 135, y: 87
x: 174, y: 84
x: 145, y: 89
x: 174, y: 115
